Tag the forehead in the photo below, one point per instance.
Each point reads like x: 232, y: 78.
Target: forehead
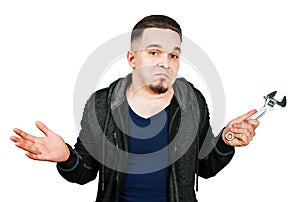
x: 165, y: 38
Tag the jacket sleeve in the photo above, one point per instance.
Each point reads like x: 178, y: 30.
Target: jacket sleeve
x: 213, y: 154
x: 82, y: 167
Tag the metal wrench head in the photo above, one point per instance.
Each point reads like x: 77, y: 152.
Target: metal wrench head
x: 271, y: 101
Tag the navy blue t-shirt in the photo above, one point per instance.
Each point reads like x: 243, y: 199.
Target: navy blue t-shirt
x: 147, y: 136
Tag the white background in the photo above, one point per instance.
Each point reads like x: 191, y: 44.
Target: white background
x: 254, y: 45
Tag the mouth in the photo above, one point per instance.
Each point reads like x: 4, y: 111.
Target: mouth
x: 162, y: 75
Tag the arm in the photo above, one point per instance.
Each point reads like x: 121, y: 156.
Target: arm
x: 216, y: 152
x: 82, y: 167
x: 220, y: 151
x: 75, y: 165
x: 214, y: 155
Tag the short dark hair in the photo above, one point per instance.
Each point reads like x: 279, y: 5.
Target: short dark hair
x: 155, y: 21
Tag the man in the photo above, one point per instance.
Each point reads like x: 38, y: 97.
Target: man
x: 148, y: 134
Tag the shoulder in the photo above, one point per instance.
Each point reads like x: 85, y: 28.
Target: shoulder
x: 101, y: 94
x: 104, y: 94
x: 197, y: 93
x: 100, y: 99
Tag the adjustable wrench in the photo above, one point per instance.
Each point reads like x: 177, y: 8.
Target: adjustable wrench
x: 270, y: 104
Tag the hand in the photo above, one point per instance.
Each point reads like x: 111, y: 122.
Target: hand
x: 50, y: 148
x: 243, y: 129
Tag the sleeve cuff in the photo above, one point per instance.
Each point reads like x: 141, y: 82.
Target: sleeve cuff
x: 222, y: 147
x: 71, y: 163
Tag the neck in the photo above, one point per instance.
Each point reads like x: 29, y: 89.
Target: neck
x: 146, y: 93
x: 146, y: 103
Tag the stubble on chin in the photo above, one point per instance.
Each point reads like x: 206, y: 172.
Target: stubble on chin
x: 159, y: 88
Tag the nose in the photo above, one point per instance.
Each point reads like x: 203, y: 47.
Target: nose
x: 164, y: 61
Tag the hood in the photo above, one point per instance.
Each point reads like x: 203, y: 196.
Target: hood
x: 183, y: 92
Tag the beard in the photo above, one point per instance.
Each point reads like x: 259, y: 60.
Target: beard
x: 159, y: 88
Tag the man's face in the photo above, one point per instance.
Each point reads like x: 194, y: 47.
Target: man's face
x: 155, y: 59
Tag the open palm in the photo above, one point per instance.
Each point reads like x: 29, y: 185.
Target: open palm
x: 49, y: 148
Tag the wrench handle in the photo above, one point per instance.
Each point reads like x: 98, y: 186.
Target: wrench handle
x: 258, y: 114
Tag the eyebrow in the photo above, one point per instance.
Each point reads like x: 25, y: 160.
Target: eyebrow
x: 159, y: 46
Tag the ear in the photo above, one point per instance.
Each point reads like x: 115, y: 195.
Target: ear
x: 131, y: 59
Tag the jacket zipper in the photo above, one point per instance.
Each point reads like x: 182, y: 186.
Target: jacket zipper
x: 175, y: 150
x: 117, y: 172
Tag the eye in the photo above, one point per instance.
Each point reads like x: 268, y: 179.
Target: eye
x: 153, y: 52
x: 174, y: 56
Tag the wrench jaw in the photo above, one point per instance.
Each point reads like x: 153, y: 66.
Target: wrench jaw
x: 271, y: 95
x: 271, y: 103
x: 283, y: 102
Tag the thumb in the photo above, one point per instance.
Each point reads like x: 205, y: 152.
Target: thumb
x: 43, y: 128
x: 243, y: 117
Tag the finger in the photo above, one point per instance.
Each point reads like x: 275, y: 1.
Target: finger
x: 253, y: 122
x: 245, y: 140
x: 236, y: 125
x: 43, y: 128
x: 28, y: 146
x: 243, y: 117
x: 23, y: 144
x: 243, y: 131
x: 14, y: 138
x: 39, y: 157
x: 24, y: 135
x: 251, y: 125
x: 247, y: 126
x: 33, y: 156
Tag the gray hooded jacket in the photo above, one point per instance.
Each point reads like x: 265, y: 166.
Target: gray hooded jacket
x: 102, y: 144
